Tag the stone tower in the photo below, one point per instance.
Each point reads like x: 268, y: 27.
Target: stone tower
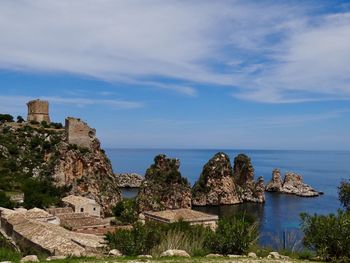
x: 79, y: 133
x: 38, y: 110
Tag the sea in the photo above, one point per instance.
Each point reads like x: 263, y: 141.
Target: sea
x: 280, y: 215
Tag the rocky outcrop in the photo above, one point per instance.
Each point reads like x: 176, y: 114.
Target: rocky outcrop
x: 219, y: 184
x: 292, y: 184
x: 164, y: 187
x: 243, y: 173
x: 87, y: 171
x: 215, y: 185
x: 275, y: 185
x: 45, y: 154
x: 129, y: 180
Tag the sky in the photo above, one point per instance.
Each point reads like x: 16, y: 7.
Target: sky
x: 184, y: 74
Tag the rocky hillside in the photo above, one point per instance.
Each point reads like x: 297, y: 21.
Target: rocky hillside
x: 32, y: 151
x: 164, y: 187
x: 219, y: 184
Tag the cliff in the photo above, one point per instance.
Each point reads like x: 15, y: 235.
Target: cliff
x: 292, y: 184
x: 220, y: 184
x: 164, y: 187
x: 45, y: 154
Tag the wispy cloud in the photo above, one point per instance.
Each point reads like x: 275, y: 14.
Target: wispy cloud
x: 265, y: 51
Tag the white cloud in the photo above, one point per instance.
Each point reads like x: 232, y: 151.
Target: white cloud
x: 266, y: 51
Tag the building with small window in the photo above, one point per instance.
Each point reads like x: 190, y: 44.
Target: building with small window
x: 81, y: 204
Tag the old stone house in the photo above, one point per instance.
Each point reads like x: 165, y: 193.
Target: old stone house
x: 81, y: 204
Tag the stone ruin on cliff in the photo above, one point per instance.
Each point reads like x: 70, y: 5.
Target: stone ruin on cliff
x: 38, y: 110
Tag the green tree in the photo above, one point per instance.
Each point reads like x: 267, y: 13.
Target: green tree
x: 234, y: 235
x: 20, y: 119
x: 6, y: 118
x: 344, y: 193
x: 5, y: 201
x: 125, y: 211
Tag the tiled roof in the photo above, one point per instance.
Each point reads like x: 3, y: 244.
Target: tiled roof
x: 78, y: 200
x: 181, y: 214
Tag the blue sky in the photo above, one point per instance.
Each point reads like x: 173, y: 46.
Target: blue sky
x: 184, y: 74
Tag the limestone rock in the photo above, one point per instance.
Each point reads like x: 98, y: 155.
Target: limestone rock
x: 144, y: 256
x: 215, y: 185
x: 214, y: 256
x: 175, y: 253
x: 243, y: 173
x: 30, y: 258
x: 87, y: 171
x: 164, y: 187
x: 292, y: 184
x: 115, y: 253
x: 55, y: 258
x: 275, y: 185
x: 275, y: 255
x: 129, y: 180
x: 252, y: 255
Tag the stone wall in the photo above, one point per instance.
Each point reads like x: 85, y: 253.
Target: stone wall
x: 79, y: 133
x: 38, y: 110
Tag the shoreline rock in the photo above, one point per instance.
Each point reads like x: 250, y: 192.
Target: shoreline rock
x: 292, y: 184
x: 129, y: 180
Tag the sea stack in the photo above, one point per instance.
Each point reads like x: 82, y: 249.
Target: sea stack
x: 292, y: 184
x: 243, y: 173
x: 164, y: 187
x: 215, y: 185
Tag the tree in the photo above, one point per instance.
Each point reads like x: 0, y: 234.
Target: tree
x: 20, y: 119
x: 344, y: 193
x: 5, y: 201
x: 6, y: 118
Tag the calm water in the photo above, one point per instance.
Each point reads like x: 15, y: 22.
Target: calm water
x: 322, y: 170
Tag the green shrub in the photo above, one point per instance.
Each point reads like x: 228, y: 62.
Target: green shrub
x: 44, y: 124
x: 344, y: 194
x: 6, y: 118
x: 20, y: 119
x: 5, y: 201
x: 125, y: 211
x: 56, y: 125
x: 328, y: 235
x: 139, y: 240
x: 34, y: 122
x: 233, y: 235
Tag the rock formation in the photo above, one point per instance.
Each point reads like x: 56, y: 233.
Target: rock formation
x: 87, y: 170
x: 219, y: 184
x: 129, y: 180
x: 164, y: 187
x: 243, y: 173
x: 215, y: 185
x: 46, y: 154
x: 292, y: 184
x: 275, y: 185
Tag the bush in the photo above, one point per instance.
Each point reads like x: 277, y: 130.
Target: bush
x: 328, y: 235
x: 56, y: 125
x: 44, y: 124
x: 233, y: 235
x: 139, y: 240
x: 41, y: 193
x: 153, y: 238
x: 34, y: 122
x: 125, y: 211
x: 5, y: 201
x: 6, y: 118
x: 20, y: 119
x: 344, y: 194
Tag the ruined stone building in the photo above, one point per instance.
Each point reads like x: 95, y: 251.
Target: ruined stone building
x: 79, y: 133
x: 38, y: 110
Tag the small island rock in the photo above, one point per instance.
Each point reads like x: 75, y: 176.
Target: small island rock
x: 129, y: 180
x: 292, y: 184
x: 164, y: 187
x: 215, y: 185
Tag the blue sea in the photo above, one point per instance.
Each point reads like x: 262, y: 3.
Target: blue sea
x: 323, y: 170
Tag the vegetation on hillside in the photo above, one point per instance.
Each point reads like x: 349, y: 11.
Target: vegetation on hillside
x: 28, y: 153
